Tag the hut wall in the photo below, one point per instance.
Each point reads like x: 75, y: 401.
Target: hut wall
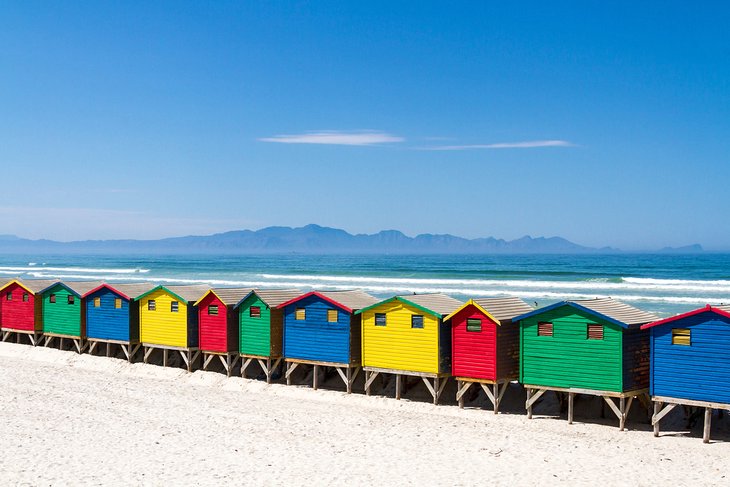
x: 162, y: 326
x: 508, y: 351
x: 569, y: 358
x: 214, y: 334
x: 474, y: 352
x: 397, y: 345
x: 107, y: 322
x: 700, y: 371
x: 314, y: 338
x: 60, y: 317
x: 255, y: 332
x: 636, y: 359
x: 16, y: 313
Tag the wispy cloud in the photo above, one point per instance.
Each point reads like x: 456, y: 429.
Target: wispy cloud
x: 361, y: 138
x: 530, y: 144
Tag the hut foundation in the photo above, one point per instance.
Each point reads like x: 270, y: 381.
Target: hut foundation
x: 189, y: 355
x: 227, y: 359
x: 621, y: 410
x: 347, y: 372
x: 435, y: 383
x: 77, y: 343
x: 663, y: 405
x: 129, y: 349
x: 34, y: 337
x: 494, y: 389
x: 267, y: 364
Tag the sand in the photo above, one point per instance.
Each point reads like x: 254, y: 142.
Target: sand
x: 80, y: 419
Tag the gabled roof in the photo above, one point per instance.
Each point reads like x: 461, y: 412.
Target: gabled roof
x: 435, y: 304
x: 500, y: 310
x: 350, y: 300
x: 79, y: 288
x: 33, y: 286
x: 228, y: 295
x: 719, y: 310
x: 272, y: 297
x: 608, y: 309
x: 183, y: 293
x: 128, y: 291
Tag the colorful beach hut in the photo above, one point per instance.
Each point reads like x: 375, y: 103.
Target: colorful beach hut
x: 593, y: 347
x: 112, y: 317
x: 485, y: 346
x: 261, y: 328
x: 218, y: 326
x: 63, y: 314
x: 21, y: 309
x: 690, y: 363
x: 168, y: 321
x: 321, y: 329
x: 407, y: 336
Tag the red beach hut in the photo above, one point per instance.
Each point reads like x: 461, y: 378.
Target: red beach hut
x: 20, y: 311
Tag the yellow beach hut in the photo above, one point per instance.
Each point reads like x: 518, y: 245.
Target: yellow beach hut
x: 406, y: 335
x: 168, y: 321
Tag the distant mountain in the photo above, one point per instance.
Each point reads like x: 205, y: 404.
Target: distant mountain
x: 311, y: 239
x: 687, y: 249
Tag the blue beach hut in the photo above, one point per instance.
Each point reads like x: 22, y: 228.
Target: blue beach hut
x: 321, y: 329
x: 690, y: 363
x: 112, y: 317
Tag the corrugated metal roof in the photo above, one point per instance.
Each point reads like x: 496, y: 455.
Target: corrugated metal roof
x: 274, y: 297
x: 189, y: 293
x: 132, y: 289
x: 436, y: 302
x: 37, y: 285
x: 354, y: 299
x: 504, y: 309
x: 617, y: 310
x: 231, y: 295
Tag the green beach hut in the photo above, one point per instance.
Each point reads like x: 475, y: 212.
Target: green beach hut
x: 261, y: 328
x: 63, y: 315
x: 593, y: 347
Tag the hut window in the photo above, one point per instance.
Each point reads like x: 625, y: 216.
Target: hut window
x: 544, y: 329
x: 416, y: 321
x: 52, y: 298
x: 213, y: 310
x: 97, y: 302
x: 332, y: 316
x: 595, y: 332
x: 118, y: 303
x: 9, y: 296
x: 681, y: 336
x: 174, y: 306
x: 151, y: 305
x: 300, y: 314
x: 70, y: 299
x: 254, y: 311
x: 379, y: 319
x: 25, y: 297
x: 474, y: 324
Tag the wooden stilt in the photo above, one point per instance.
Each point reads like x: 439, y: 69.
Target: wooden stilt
x: 571, y: 397
x: 314, y: 377
x: 708, y: 425
x: 398, y: 386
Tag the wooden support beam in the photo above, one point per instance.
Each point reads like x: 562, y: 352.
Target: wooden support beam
x: 533, y: 395
x: 500, y: 394
x: 350, y: 379
x: 708, y: 426
x: 206, y: 361
x: 108, y: 349
x: 92, y: 346
x: 245, y: 362
x: 461, y: 388
x: 571, y: 397
x: 429, y: 387
x: 147, y: 353
x: 613, y: 406
x: 370, y: 376
x: 290, y: 367
x: 398, y: 387
x: 655, y: 418
x: 164, y: 357
x: 133, y: 350
x: 488, y: 392
x: 439, y: 384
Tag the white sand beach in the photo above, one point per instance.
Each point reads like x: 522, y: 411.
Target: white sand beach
x: 80, y: 419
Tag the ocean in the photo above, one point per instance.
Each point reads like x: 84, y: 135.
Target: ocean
x: 664, y: 284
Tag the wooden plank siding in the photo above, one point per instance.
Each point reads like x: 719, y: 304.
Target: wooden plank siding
x: 217, y: 333
x: 164, y: 327
x: 700, y: 371
x: 60, y: 317
x: 16, y: 313
x: 474, y: 353
x: 568, y: 358
x: 106, y: 321
x: 636, y: 359
x: 397, y: 345
x: 508, y: 351
x: 255, y: 333
x: 314, y: 338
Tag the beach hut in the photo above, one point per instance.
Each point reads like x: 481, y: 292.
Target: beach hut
x: 21, y: 309
x: 321, y: 329
x: 218, y: 326
x: 407, y: 335
x: 168, y: 321
x: 485, y: 346
x: 63, y: 314
x: 690, y: 363
x: 593, y: 347
x: 261, y: 328
x: 112, y: 317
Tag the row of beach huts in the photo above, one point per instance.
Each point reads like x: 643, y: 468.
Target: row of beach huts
x: 600, y: 347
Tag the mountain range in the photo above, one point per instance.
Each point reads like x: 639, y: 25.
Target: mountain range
x: 313, y: 239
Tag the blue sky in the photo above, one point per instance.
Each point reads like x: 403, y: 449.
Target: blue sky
x: 605, y: 123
